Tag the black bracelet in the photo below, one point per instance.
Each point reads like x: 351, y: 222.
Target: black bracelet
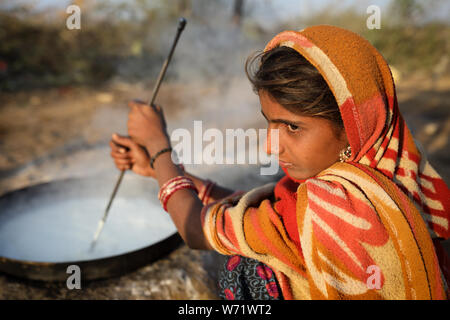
x: 152, y: 160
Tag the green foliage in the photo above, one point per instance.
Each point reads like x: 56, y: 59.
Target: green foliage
x: 42, y: 52
x: 45, y: 54
x: 406, y: 12
x: 417, y: 48
x: 129, y: 38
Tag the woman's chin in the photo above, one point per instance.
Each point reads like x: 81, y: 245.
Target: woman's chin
x: 296, y: 174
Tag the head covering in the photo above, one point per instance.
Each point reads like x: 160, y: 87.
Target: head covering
x: 374, y: 215
x: 362, y: 84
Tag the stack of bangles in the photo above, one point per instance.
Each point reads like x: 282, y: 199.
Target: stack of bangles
x: 172, y: 186
x: 182, y: 182
x: 205, y: 192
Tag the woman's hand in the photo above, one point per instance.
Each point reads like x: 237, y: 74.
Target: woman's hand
x: 147, y: 126
x: 127, y: 154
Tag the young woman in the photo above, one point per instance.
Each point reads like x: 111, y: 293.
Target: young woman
x: 360, y: 213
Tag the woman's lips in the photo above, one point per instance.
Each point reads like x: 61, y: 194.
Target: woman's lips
x: 285, y: 164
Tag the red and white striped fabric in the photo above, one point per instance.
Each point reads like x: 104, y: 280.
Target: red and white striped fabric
x: 363, y: 229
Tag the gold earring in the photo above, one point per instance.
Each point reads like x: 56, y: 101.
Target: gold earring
x: 345, y: 154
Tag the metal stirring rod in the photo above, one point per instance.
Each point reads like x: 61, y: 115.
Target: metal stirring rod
x: 101, y: 224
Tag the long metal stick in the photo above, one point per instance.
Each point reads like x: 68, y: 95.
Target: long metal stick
x: 181, y: 25
x: 101, y: 223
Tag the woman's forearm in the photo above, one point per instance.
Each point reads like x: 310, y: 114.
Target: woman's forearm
x: 183, y: 206
x: 217, y: 193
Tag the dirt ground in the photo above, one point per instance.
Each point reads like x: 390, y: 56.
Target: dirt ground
x: 47, y: 127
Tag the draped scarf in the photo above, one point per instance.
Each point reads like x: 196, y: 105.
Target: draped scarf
x: 368, y: 228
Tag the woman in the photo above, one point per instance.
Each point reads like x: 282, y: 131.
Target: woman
x: 360, y: 212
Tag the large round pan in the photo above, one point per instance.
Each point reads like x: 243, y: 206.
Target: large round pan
x: 47, y: 227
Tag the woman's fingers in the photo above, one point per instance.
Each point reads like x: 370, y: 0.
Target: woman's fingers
x: 123, y: 167
x: 161, y: 113
x: 118, y: 152
x: 118, y: 155
x: 142, y: 107
x: 122, y: 164
x: 121, y: 157
x: 146, y: 125
x: 122, y: 161
x: 136, y: 102
x: 117, y: 149
x: 123, y: 142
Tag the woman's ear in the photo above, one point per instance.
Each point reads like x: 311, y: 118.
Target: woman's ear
x: 342, y: 135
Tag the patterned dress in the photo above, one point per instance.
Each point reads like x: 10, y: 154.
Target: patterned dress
x: 243, y: 278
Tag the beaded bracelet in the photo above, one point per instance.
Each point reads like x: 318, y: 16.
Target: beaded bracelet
x: 172, y: 186
x: 205, y: 191
x: 160, y: 152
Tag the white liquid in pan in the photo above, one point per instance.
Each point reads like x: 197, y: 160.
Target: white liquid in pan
x: 63, y: 230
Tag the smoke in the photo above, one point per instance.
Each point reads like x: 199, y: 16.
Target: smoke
x: 205, y: 81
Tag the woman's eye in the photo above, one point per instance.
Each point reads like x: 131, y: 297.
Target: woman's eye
x: 292, y: 128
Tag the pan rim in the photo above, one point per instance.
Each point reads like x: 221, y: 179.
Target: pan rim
x: 115, y: 264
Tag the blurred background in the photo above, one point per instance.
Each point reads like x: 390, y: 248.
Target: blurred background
x: 64, y: 92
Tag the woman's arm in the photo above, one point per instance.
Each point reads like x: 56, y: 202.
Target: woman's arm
x: 128, y: 155
x: 146, y: 127
x: 217, y: 193
x: 183, y: 206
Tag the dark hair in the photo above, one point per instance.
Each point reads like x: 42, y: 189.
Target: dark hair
x: 293, y: 82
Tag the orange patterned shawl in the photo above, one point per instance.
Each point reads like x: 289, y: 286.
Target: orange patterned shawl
x: 363, y: 229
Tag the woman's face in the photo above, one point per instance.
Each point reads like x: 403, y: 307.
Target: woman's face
x: 307, y: 145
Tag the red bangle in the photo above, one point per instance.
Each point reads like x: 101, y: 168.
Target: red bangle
x: 208, y: 191
x: 165, y: 185
x: 173, y: 185
x: 167, y: 191
x: 183, y: 186
x: 205, y: 191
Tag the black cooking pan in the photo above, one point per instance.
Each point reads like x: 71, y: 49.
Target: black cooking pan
x: 47, y: 227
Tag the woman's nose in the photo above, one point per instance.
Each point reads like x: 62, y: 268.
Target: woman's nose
x: 273, y: 145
